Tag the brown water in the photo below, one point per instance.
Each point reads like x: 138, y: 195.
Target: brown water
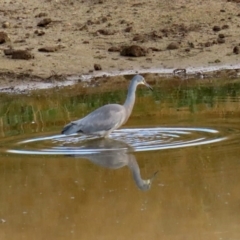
x: 55, y: 187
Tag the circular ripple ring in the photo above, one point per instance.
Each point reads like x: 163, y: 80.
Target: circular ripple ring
x: 135, y: 140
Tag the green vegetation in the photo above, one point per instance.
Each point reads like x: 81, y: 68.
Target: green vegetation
x: 53, y: 108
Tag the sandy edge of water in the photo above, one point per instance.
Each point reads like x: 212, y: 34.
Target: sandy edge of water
x: 31, y: 83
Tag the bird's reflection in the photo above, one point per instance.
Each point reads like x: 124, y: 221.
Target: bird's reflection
x: 113, y: 154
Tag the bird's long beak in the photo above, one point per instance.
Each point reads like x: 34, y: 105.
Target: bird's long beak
x: 154, y: 175
x: 148, y: 86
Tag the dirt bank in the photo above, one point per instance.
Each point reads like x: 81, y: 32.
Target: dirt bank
x: 68, y: 37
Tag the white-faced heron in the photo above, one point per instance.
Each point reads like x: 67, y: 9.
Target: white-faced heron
x: 102, y: 121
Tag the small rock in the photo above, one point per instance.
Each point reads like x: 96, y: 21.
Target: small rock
x: 154, y: 49
x: 173, y: 45
x: 208, y: 44
x: 180, y: 71
x: 4, y: 38
x: 49, y: 49
x: 128, y: 29
x: 133, y: 51
x: 165, y: 31
x: 221, y: 40
x: 154, y: 35
x: 84, y: 27
x: 44, y: 22
x: 221, y: 35
x: 97, y: 67
x: 114, y: 49
x: 216, y: 28
x: 191, y: 45
x: 90, y: 22
x: 104, y: 19
x: 20, y: 41
x: 97, y: 22
x: 39, y: 32
x: 236, y: 50
x: 225, y: 26
x: 22, y: 54
x: 8, y: 51
x: 139, y: 38
x: 5, y: 24
x: 123, y: 21
x: 41, y: 14
x: 105, y: 32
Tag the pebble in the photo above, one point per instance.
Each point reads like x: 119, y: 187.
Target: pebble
x: 216, y: 28
x: 173, y: 45
x: 225, y: 26
x: 138, y: 38
x: 4, y: 38
x: 221, y: 40
x: 105, y: 32
x: 5, y: 24
x: 133, y: 51
x: 97, y: 67
x: 114, y: 49
x: 39, y: 32
x: 22, y: 54
x: 49, y: 49
x: 236, y: 50
x: 44, y: 22
x: 221, y: 35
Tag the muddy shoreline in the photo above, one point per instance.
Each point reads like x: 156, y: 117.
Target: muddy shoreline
x: 61, y: 42
x: 23, y: 83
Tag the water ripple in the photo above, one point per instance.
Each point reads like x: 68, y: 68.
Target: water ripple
x: 129, y: 140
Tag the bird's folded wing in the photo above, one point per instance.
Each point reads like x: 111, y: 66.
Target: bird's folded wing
x: 103, y: 119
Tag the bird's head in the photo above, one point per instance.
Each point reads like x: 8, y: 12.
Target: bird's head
x: 146, y: 184
x: 141, y: 80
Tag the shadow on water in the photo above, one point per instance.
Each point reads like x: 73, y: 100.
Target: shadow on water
x: 113, y: 154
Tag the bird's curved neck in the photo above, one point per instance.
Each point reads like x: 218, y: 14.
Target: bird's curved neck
x: 129, y: 103
x: 133, y: 166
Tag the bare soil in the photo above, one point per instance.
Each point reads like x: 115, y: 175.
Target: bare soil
x: 73, y: 37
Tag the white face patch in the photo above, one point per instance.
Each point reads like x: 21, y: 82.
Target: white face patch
x: 143, y: 82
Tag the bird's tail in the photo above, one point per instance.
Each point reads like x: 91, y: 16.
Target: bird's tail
x: 70, y: 129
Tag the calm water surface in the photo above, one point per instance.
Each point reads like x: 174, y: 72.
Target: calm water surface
x: 76, y: 187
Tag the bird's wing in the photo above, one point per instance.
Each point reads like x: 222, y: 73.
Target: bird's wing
x: 102, y: 119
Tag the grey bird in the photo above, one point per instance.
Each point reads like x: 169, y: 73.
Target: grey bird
x: 102, y: 121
